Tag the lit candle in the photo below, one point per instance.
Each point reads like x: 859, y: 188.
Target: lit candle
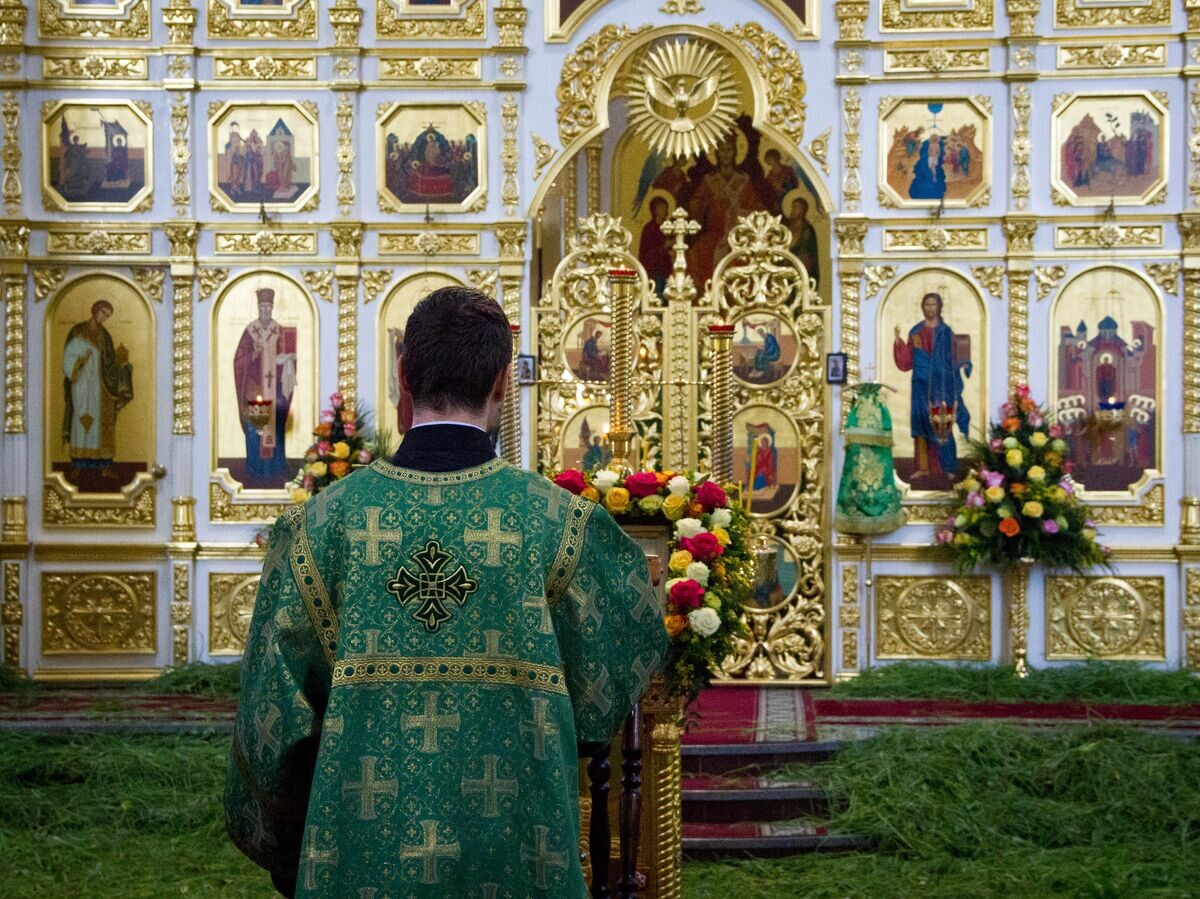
x: 645, y: 454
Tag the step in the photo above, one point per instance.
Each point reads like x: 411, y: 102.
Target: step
x: 753, y: 758
x: 760, y: 839
x: 735, y: 798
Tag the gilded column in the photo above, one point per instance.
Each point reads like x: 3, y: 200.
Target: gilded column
x: 1189, y: 228
x: 851, y: 233
x: 593, y: 156
x: 14, y: 353
x: 721, y: 336
x: 347, y: 378
x: 1019, y: 231
x: 679, y: 450
x: 181, y: 612
x: 623, y: 284
x: 571, y: 198
x: 849, y: 618
x: 666, y: 836
x: 510, y: 423
x: 182, y: 238
x: 10, y: 111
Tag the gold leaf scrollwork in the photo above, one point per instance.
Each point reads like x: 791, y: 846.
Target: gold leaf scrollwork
x: 579, y: 82
x: 230, y: 607
x: 782, y: 72
x: 1165, y: 275
x: 877, y: 277
x: 150, y: 280
x: 1047, y: 278
x: 209, y: 280
x: 1105, y: 617
x: 991, y: 277
x: 320, y: 282
x: 99, y: 612
x: 933, y: 617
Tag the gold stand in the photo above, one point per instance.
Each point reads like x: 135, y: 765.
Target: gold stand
x: 1015, y: 585
x: 721, y: 336
x: 623, y: 284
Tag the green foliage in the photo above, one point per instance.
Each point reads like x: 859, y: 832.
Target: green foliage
x: 14, y: 680
x: 1018, y: 501
x: 995, y: 811
x: 1093, y: 681
x: 198, y: 679
x: 108, y: 817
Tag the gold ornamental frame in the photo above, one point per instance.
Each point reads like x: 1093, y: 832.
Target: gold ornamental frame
x: 141, y: 200
x: 128, y: 21
x: 560, y: 31
x: 219, y: 112
x: 475, y: 110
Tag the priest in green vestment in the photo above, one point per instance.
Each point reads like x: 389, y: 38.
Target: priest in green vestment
x: 432, y: 637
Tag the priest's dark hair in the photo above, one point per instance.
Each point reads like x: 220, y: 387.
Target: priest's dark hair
x: 456, y: 341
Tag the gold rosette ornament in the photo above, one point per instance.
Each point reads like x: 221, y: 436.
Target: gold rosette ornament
x: 682, y: 98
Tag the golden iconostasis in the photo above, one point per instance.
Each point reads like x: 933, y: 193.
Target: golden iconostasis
x: 217, y: 214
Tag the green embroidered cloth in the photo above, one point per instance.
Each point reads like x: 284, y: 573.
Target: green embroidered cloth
x: 868, y: 501
x: 426, y: 651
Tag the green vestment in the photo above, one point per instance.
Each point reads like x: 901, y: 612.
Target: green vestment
x: 867, y: 500
x: 425, y: 653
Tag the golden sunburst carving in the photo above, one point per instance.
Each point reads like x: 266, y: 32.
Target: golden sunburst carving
x: 682, y: 98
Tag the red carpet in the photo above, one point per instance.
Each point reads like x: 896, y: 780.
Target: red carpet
x: 729, y: 715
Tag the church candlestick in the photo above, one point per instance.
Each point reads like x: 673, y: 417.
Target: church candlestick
x: 623, y: 283
x: 510, y: 422
x: 750, y: 484
x: 721, y: 335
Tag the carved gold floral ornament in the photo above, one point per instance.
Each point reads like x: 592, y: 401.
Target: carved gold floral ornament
x: 682, y: 98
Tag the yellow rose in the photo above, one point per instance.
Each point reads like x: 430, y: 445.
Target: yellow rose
x: 1038, y: 439
x: 340, y: 450
x: 1089, y: 534
x: 680, y: 560
x: 970, y: 485
x: 674, y: 506
x: 616, y: 500
x: 718, y: 568
x: 1014, y: 457
x: 1058, y: 494
x: 1037, y: 473
x: 299, y: 495
x: 994, y: 494
x: 316, y: 469
x: 721, y: 534
x: 1032, y: 509
x: 590, y: 493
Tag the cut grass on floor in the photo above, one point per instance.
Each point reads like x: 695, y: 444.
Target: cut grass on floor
x: 978, y: 811
x: 1098, y: 682
x: 198, y: 679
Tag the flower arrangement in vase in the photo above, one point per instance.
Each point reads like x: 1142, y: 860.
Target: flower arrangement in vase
x: 344, y: 442
x: 1018, y: 502
x: 711, y: 566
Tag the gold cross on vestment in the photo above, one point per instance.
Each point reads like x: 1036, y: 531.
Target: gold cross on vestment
x: 596, y: 693
x: 494, y: 537
x: 541, y: 855
x: 313, y: 857
x: 431, y: 722
x: 429, y: 851
x: 545, y: 623
x: 491, y: 785
x: 541, y: 727
x: 373, y: 537
x: 263, y: 729
x: 491, y: 646
x: 368, y: 788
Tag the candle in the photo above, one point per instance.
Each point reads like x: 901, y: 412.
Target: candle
x: 645, y: 454
x: 753, y: 465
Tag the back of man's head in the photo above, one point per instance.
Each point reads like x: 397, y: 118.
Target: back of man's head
x: 456, y: 342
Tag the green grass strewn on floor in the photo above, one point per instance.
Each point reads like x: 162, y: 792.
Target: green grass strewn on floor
x: 107, y: 816
x: 1114, y: 682
x: 198, y: 679
x: 994, y: 811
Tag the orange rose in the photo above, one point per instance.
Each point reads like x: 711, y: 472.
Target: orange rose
x: 347, y: 415
x: 1017, y: 489
x: 323, y: 430
x: 718, y: 568
x: 1009, y: 527
x: 695, y: 510
x: 339, y: 469
x: 675, y: 625
x: 1011, y: 424
x: 661, y: 477
x: 1052, y: 458
x: 1027, y: 405
x: 590, y: 493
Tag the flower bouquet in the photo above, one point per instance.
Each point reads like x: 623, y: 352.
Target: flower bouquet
x: 344, y: 443
x: 710, y: 570
x: 1018, y: 501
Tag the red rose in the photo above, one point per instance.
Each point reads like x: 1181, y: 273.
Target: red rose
x: 687, y: 594
x: 703, y: 547
x: 571, y: 479
x: 711, y: 496
x: 642, y: 484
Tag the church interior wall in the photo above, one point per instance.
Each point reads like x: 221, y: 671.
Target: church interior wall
x: 1083, y: 118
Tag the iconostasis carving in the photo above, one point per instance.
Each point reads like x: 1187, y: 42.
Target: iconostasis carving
x: 925, y: 181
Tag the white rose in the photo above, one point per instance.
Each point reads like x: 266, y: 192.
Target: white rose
x: 698, y: 572
x: 672, y: 582
x: 605, y: 480
x: 704, y: 621
x: 688, y: 527
x: 679, y: 485
x: 721, y: 518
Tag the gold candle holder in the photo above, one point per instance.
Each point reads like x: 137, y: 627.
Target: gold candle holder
x: 15, y: 530
x: 183, y: 519
x: 721, y: 336
x: 510, y: 421
x: 623, y: 283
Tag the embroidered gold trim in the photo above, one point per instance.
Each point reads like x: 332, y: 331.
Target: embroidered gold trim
x: 567, y: 557
x: 388, y: 470
x: 464, y: 670
x: 312, y: 588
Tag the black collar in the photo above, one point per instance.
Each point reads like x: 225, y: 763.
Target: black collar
x: 450, y: 447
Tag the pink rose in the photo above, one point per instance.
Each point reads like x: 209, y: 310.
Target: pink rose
x: 1036, y: 420
x: 350, y: 428
x: 711, y: 496
x: 975, y: 498
x: 996, y: 444
x: 642, y: 484
x: 1023, y: 391
x: 993, y: 478
x: 309, y: 481
x: 1067, y: 486
x: 1008, y: 410
x: 1068, y: 467
x: 571, y: 479
x: 944, y: 536
x: 1056, y: 430
x: 1050, y: 526
x: 364, y: 457
x: 337, y: 400
x: 327, y: 415
x: 687, y: 594
x: 704, y: 546
x: 323, y: 448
